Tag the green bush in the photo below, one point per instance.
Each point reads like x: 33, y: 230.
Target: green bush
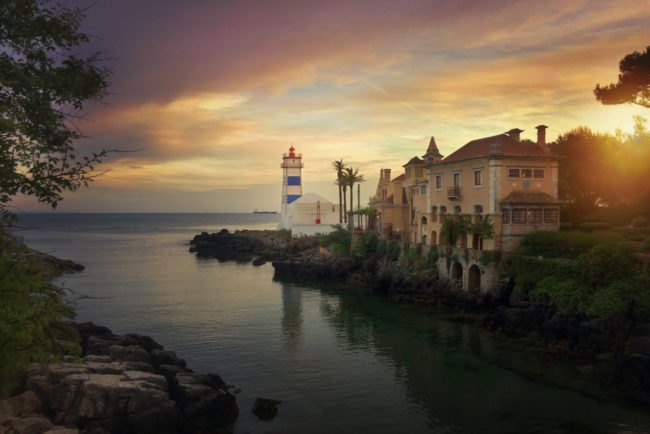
x: 367, y: 246
x: 392, y: 250
x: 645, y: 245
x: 565, y: 226
x: 29, y: 308
x: 594, y: 226
x: 562, y: 244
x: 433, y: 256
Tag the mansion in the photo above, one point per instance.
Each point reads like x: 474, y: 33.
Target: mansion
x: 511, y: 181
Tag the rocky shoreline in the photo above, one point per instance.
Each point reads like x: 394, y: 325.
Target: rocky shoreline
x: 623, y: 344
x: 119, y: 383
x: 99, y: 382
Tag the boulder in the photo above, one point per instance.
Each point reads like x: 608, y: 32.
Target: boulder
x: 266, y: 409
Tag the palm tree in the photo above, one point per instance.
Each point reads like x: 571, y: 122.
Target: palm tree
x: 352, y: 177
x: 339, y: 166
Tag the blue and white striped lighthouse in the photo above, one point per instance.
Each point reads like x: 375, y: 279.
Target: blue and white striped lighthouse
x: 291, y: 183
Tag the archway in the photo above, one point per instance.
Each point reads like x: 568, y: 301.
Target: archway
x: 457, y: 273
x: 474, y: 278
x: 433, y: 238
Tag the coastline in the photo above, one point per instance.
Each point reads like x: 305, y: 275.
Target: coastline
x: 617, y: 349
x: 97, y: 381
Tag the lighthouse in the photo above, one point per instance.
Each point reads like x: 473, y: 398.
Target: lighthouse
x: 291, y: 184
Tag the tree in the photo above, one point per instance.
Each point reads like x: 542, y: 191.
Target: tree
x: 633, y: 82
x: 352, y: 177
x: 45, y: 83
x: 339, y: 166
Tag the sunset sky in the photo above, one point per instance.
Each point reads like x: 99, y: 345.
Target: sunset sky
x: 214, y: 92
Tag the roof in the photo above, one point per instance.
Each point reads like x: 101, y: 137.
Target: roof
x: 413, y: 161
x: 507, y: 146
x: 389, y: 199
x: 529, y: 197
x: 433, y: 149
x: 402, y: 177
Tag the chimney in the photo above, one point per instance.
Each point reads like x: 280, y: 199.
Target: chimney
x: 541, y: 135
x: 514, y: 133
x: 387, y: 175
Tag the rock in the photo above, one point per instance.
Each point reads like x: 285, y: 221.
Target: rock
x: 132, y: 353
x: 259, y: 261
x: 266, y: 409
x: 204, y: 402
x: 128, y: 384
x: 29, y: 425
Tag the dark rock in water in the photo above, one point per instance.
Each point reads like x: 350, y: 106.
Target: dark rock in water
x: 259, y: 261
x: 266, y: 409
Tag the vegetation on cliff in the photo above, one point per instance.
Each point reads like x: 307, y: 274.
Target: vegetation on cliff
x: 31, y: 310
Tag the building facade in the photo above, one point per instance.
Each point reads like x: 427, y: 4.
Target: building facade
x: 502, y: 180
x: 391, y: 205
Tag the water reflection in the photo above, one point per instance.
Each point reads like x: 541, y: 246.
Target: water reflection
x: 292, y: 334
x: 449, y: 372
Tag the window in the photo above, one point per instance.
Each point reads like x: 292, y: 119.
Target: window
x: 534, y: 215
x: 456, y: 179
x: 513, y: 173
x: 538, y: 173
x: 434, y: 213
x: 526, y: 173
x: 478, y: 177
x: 438, y: 181
x: 506, y: 215
x: 551, y: 216
x: 457, y: 209
x: 519, y: 216
x: 443, y: 213
x: 423, y: 189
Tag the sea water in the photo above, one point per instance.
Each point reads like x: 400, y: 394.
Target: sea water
x: 340, y: 360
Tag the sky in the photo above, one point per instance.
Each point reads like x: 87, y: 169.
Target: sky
x: 210, y: 94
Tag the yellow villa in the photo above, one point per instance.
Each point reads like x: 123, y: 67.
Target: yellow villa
x: 511, y: 181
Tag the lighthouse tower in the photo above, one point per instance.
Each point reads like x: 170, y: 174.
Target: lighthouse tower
x: 291, y: 184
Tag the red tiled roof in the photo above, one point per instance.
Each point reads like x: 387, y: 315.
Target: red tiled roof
x: 402, y: 177
x: 482, y: 147
x: 529, y: 196
x: 414, y: 160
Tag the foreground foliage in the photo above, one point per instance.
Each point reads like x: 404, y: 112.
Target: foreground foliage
x: 45, y: 83
x: 30, y: 310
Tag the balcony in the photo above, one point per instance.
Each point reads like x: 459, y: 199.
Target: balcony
x: 453, y: 192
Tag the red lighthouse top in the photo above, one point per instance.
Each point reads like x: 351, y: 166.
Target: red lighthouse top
x: 292, y: 152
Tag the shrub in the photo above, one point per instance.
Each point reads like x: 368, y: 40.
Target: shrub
x: 639, y: 222
x: 392, y: 250
x: 565, y: 226
x: 645, y: 245
x: 561, y: 244
x: 29, y: 308
x: 367, y: 246
x: 433, y: 256
x: 594, y: 226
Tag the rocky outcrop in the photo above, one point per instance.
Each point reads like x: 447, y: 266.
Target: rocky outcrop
x: 126, y: 384
x: 245, y: 245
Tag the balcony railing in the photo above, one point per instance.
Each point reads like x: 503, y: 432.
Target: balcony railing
x: 453, y: 192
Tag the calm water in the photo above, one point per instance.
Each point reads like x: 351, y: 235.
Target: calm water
x: 340, y: 360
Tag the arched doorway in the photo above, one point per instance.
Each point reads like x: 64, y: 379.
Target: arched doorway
x: 433, y: 238
x: 474, y: 278
x: 457, y: 273
x: 423, y: 230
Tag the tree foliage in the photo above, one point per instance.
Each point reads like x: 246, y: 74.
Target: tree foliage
x: 633, y: 84
x: 604, y: 173
x: 45, y: 84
